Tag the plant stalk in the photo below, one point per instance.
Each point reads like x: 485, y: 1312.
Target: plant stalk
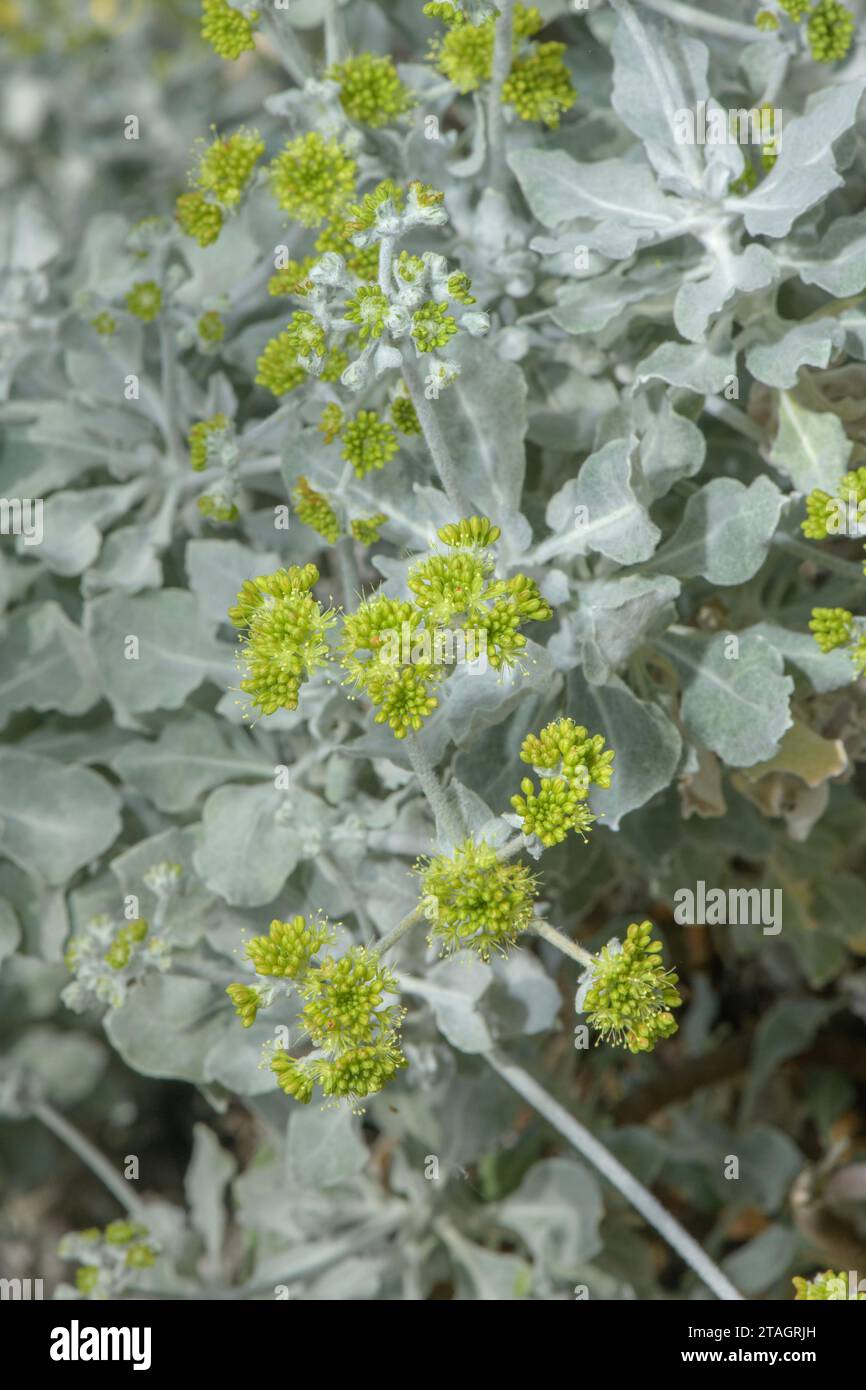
x: 502, y: 59
x: 91, y: 1157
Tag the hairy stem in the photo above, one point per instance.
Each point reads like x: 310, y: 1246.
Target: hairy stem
x: 90, y: 1155
x: 432, y: 430
x: 561, y: 942
x: 168, y: 372
x: 350, y: 575
x: 397, y: 933
x: 502, y: 58
x: 449, y: 822
x: 334, y: 39
x: 610, y: 1168
x: 700, y: 19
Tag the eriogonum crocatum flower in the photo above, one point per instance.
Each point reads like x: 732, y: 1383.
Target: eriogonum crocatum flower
x: 284, y: 635
x: 345, y: 1011
x: 627, y: 994
x: 199, y: 437
x: 827, y: 515
x: 225, y: 167
x: 108, y: 1260
x: 314, y: 510
x: 476, y: 901
x: 569, y: 760
x: 829, y: 31
x: 370, y: 89
x: 211, y: 327
x: 404, y: 415
x: 312, y: 178
x: 229, y: 31
x: 365, y: 530
x: 198, y: 217
x: 368, y: 442
x: 144, y: 300
x: 826, y: 1286
x: 107, y: 958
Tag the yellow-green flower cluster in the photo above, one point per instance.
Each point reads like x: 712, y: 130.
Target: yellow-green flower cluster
x: 228, y: 31
x: 225, y: 167
x: 361, y: 216
x: 199, y: 218
x: 432, y: 326
x: 570, y: 761
x: 198, y: 438
x: 282, y: 368
x: 829, y: 31
x: 312, y: 178
x: 368, y: 308
x: 144, y: 300
x: 288, y: 948
x: 370, y: 89
x: 362, y: 262
x: 826, y: 1286
x: 825, y: 513
x: 211, y: 328
x: 344, y: 1012
x: 218, y: 506
x: 627, y: 994
x: 314, y: 510
x: 283, y: 635
x: 475, y: 901
x: 538, y: 85
x: 366, y: 530
x: 292, y: 279
x: 107, y: 957
x: 397, y: 651
x: 837, y: 627
x: 766, y: 21
x: 404, y: 415
x: 368, y: 442
x: 108, y: 1260
x: 104, y: 324
x: 795, y: 9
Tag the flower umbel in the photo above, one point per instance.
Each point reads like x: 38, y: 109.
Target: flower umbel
x: 284, y: 641
x: 627, y: 994
x: 475, y: 901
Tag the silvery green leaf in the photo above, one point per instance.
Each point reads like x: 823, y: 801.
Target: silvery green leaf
x: 769, y: 1163
x: 48, y: 663
x: 323, y: 1148
x: 218, y: 568
x: 69, y: 816
x: 176, y: 649
x: 192, y: 754
x: 453, y: 989
x: 735, y: 700
x: 600, y: 510
x: 129, y: 560
x: 755, y: 1266
x: 725, y: 531
x: 823, y: 670
x: 252, y: 838
x: 613, y: 619
x: 483, y: 418
x: 557, y: 1211
x: 805, y: 171
x: 210, y: 1170
x: 10, y: 931
x: 810, y: 446
x: 813, y: 343
x: 168, y: 1025
x: 853, y: 322
x: 72, y: 523
x: 585, y: 306
x: 658, y: 71
x: 707, y: 370
x: 626, y: 722
x: 671, y: 447
x: 839, y: 263
x: 621, y: 195
x: 699, y: 300
x: 476, y: 698
x: 522, y: 999
x: 486, y: 1275
x: 59, y: 1067
x: 785, y: 1030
